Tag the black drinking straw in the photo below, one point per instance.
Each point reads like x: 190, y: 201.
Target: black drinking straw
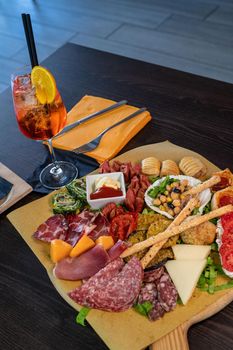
x: 30, y: 39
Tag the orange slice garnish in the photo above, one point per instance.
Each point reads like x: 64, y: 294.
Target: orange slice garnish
x: 44, y: 83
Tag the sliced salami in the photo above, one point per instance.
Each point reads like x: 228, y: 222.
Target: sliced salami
x: 55, y: 227
x: 100, y: 279
x: 167, y: 293
x: 153, y: 275
x: 148, y: 293
x: 119, y: 293
x: 157, y: 311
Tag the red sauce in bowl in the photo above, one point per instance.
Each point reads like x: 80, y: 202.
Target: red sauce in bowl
x: 106, y: 192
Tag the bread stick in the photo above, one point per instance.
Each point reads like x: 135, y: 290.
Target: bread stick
x: 203, y: 186
x: 186, y: 211
x: 197, y: 220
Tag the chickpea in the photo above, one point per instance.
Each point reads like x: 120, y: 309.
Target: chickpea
x: 177, y: 210
x: 185, y: 183
x: 171, y: 212
x: 174, y: 195
x: 156, y: 202
x: 163, y: 199
x: 168, y: 188
x: 182, y: 187
x: 182, y: 196
x: 176, y: 203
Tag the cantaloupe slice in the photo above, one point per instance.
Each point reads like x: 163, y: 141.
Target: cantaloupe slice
x: 85, y: 243
x: 59, y: 250
x: 107, y: 242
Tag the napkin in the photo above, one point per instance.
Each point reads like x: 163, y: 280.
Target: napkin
x: 114, y: 140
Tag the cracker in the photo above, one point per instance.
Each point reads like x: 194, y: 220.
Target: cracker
x: 177, y: 229
x: 186, y: 211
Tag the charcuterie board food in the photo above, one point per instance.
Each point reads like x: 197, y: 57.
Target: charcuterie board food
x: 146, y: 242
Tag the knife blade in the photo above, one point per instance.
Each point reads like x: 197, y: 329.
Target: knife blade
x: 90, y: 116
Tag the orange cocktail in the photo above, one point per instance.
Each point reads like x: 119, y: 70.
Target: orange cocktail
x: 41, y: 115
x: 36, y: 120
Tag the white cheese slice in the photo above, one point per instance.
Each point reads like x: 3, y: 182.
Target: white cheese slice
x: 190, y: 251
x: 185, y: 275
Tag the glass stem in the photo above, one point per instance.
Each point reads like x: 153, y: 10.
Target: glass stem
x: 56, y: 170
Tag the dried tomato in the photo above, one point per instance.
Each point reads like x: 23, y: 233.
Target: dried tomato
x: 226, y: 252
x: 222, y: 184
x: 123, y: 225
x: 224, y: 200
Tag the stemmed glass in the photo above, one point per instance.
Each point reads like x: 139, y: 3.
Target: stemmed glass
x: 42, y: 121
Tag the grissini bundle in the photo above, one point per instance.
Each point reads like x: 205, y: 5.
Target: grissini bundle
x: 203, y: 186
x: 185, y: 212
x: 197, y: 220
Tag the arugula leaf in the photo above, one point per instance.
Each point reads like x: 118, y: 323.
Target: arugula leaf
x: 207, y: 209
x: 148, y: 211
x: 80, y: 318
x: 143, y: 308
x: 214, y: 247
x: 195, y: 211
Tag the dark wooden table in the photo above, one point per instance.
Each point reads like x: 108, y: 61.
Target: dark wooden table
x: 193, y: 112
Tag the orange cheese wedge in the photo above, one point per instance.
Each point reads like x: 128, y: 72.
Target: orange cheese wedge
x: 85, y: 243
x: 59, y: 250
x: 107, y: 242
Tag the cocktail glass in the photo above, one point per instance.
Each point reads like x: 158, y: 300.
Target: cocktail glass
x: 39, y: 121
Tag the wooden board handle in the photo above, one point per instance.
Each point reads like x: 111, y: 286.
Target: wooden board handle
x: 175, y: 340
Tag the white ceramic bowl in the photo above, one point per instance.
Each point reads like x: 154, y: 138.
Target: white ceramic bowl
x: 100, y: 203
x: 204, y: 196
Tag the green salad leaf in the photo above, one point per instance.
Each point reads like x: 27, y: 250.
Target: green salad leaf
x: 144, y: 308
x: 148, y: 211
x: 160, y: 189
x: 207, y: 280
x: 80, y: 318
x: 207, y: 209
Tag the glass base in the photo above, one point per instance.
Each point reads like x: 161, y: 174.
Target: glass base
x: 55, y: 176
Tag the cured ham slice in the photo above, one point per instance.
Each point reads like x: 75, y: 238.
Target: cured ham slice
x: 83, y: 266
x: 118, y: 294
x: 92, y: 224
x: 117, y: 249
x: 102, y: 227
x: 55, y: 227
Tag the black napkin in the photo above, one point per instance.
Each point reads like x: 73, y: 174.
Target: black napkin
x: 5, y: 187
x: 84, y: 164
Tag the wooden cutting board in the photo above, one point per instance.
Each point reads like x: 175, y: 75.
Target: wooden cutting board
x: 19, y: 190
x: 127, y: 330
